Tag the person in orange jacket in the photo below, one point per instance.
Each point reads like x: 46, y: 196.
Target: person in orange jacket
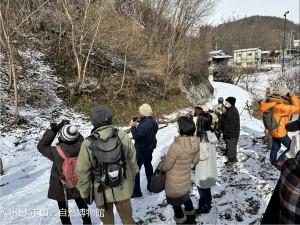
x: 282, y: 110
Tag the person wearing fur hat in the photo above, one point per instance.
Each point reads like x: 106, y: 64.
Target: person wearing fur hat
x: 230, y: 126
x: 279, y: 99
x: 69, y: 141
x: 107, y: 197
x: 144, y: 134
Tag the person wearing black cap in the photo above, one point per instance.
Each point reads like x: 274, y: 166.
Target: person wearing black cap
x: 230, y: 126
x: 106, y: 198
x: 69, y: 141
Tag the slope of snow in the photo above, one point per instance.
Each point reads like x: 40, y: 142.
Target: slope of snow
x: 240, y: 196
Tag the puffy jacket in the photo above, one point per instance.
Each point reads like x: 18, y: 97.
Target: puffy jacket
x: 282, y: 111
x: 183, y: 152
x: 56, y: 191
x: 144, y: 134
x: 85, y: 173
x: 230, y: 123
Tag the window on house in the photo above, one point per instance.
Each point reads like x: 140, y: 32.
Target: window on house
x: 249, y: 54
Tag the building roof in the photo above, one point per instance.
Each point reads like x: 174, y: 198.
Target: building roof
x: 222, y: 56
x: 246, y: 50
x: 217, y: 52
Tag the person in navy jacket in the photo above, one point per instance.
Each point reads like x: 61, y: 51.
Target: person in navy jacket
x: 143, y: 131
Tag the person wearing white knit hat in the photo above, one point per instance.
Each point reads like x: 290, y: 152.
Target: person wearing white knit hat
x: 145, y: 110
x: 144, y: 134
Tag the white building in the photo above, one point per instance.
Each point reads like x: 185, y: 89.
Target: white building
x: 250, y: 57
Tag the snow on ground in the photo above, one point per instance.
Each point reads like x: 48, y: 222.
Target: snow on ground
x: 240, y: 196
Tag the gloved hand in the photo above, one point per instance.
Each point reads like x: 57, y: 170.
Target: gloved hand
x: 62, y: 123
x: 53, y: 127
x: 290, y: 94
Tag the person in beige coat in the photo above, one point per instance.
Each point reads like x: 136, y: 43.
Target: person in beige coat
x: 119, y: 196
x: 183, y: 152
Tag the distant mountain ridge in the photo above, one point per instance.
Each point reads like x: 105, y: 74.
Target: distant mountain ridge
x: 265, y: 32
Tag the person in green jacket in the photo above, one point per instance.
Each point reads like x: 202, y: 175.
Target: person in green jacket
x: 216, y: 109
x: 101, y: 118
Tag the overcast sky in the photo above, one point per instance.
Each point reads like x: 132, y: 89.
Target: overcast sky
x: 228, y: 8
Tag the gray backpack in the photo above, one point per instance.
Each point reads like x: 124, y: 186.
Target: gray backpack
x: 108, y: 162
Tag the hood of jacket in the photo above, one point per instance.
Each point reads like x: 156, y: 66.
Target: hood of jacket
x: 265, y: 105
x: 212, y: 137
x: 190, y: 145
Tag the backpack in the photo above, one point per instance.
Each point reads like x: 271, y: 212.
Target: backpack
x: 269, y: 121
x: 108, y: 160
x: 68, y: 174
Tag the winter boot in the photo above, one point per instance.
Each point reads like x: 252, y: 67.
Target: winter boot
x: 190, y: 215
x: 86, y: 220
x: 182, y: 220
x: 203, y: 209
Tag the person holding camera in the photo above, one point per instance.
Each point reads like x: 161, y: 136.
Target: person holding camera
x: 284, y: 103
x: 69, y: 141
x: 144, y: 131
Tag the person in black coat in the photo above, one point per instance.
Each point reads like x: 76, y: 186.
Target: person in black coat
x: 69, y: 141
x: 230, y: 126
x: 144, y: 134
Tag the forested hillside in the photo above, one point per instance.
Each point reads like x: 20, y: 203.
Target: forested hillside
x: 265, y: 32
x: 120, y: 53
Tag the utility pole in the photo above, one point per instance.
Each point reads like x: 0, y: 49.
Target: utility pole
x: 283, y: 40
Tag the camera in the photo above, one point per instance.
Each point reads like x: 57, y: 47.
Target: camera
x: 135, y: 118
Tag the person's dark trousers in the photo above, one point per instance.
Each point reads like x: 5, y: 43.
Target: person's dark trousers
x: 276, y: 144
x: 83, y: 209
x: 143, y: 158
x: 231, y: 145
x: 178, y: 210
x: 271, y: 215
x: 205, y: 196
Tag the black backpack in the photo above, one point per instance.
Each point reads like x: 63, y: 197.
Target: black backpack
x: 108, y: 162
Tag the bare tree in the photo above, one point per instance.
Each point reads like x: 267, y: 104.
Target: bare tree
x: 80, y: 28
x: 9, y: 27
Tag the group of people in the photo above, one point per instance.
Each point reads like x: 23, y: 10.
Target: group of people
x: 194, y: 145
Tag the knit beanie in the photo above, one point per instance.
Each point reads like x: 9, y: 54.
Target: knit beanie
x: 231, y: 100
x: 145, y: 110
x: 101, y: 115
x: 68, y: 133
x: 220, y: 100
